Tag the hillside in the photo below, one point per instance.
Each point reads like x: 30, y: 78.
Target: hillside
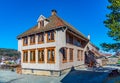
x: 9, y: 52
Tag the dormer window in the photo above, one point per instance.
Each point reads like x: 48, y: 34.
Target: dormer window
x: 42, y: 23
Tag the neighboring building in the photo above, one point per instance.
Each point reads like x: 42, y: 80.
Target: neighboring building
x: 91, y: 54
x: 113, y: 60
x: 51, y: 47
x: 102, y: 61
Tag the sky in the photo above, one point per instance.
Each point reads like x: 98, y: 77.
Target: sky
x: 17, y: 16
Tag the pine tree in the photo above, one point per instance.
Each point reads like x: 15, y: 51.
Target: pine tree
x: 113, y: 24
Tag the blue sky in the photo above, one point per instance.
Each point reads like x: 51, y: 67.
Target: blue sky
x: 17, y: 16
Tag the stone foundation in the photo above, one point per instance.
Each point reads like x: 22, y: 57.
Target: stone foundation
x: 48, y: 72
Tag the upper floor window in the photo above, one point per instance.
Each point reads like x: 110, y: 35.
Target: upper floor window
x: 64, y: 54
x: 70, y: 39
x: 41, y: 38
x: 32, y: 39
x: 78, y: 42
x: 32, y: 55
x: 41, y: 55
x: 50, y: 36
x: 25, y: 41
x: 25, y: 56
x: 71, y: 54
x: 51, y: 55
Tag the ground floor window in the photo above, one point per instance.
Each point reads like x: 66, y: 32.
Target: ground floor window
x: 51, y: 55
x: 32, y: 56
x: 71, y: 54
x: 41, y: 55
x: 64, y: 54
x: 79, y: 55
x: 25, y: 56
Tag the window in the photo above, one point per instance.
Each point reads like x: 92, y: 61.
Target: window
x: 32, y: 56
x: 78, y: 42
x: 40, y: 38
x: 71, y: 54
x: 42, y: 23
x: 64, y: 54
x: 51, y: 55
x: 50, y: 36
x: 41, y: 55
x: 25, y: 41
x: 80, y: 55
x: 25, y: 56
x: 70, y: 39
x: 32, y: 39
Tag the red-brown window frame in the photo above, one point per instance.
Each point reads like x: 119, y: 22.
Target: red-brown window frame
x: 25, y: 39
x: 71, y: 54
x: 41, y: 35
x: 51, y: 40
x: 32, y: 42
x: 41, y: 49
x: 51, y: 48
x: 34, y: 56
x: 25, y: 59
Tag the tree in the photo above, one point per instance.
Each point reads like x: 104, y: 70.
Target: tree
x: 113, y: 24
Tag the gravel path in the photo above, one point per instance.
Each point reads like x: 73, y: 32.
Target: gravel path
x: 76, y: 76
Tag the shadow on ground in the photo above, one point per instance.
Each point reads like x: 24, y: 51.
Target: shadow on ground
x: 78, y: 76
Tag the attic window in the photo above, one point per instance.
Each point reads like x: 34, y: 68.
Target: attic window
x: 42, y: 23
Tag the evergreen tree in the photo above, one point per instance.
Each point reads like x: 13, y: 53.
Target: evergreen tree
x: 113, y: 24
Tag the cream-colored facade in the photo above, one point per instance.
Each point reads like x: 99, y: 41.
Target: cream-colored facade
x: 71, y: 56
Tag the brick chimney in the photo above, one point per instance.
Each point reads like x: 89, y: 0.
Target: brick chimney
x: 54, y: 12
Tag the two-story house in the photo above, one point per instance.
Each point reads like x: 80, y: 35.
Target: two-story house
x: 51, y: 47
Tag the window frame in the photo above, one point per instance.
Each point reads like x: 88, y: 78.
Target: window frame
x: 64, y: 53
x: 33, y: 56
x: 51, y: 33
x: 71, y: 38
x: 32, y: 41
x: 71, y: 56
x: 51, y: 49
x: 41, y: 23
x: 41, y: 49
x: 42, y: 38
x: 25, y: 39
x: 25, y: 59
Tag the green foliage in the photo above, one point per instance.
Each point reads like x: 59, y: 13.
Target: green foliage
x: 113, y: 24
x: 9, y: 52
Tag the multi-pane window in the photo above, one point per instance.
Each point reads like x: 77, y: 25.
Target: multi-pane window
x: 70, y: 39
x: 25, y: 56
x: 64, y: 54
x: 42, y: 23
x: 25, y: 41
x: 41, y: 55
x: 80, y: 55
x: 32, y: 39
x: 51, y: 55
x: 32, y: 55
x: 41, y: 38
x: 78, y: 43
x: 50, y: 36
x: 71, y: 54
